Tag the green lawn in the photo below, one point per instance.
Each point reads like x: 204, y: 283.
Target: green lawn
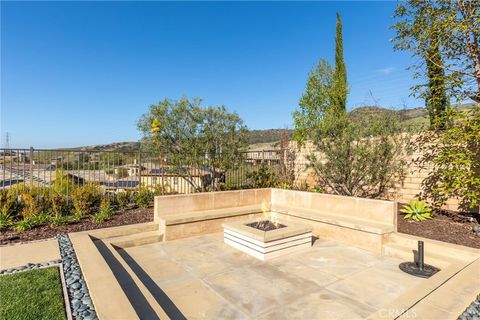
x: 35, y: 294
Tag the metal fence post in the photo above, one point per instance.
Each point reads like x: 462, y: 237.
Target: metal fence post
x: 139, y: 157
x: 31, y: 167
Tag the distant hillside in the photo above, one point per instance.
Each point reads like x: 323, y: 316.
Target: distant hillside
x: 417, y: 117
x: 115, y: 146
x: 267, y: 135
x: 270, y: 138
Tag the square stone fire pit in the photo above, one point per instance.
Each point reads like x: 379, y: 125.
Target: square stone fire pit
x: 266, y: 245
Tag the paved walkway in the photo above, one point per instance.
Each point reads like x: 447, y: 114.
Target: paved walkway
x: 33, y: 252
x: 208, y: 279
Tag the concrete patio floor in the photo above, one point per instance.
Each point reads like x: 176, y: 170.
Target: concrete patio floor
x: 203, y: 278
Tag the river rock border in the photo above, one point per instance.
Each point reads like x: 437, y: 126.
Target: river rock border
x: 31, y: 266
x: 80, y: 301
x: 472, y: 312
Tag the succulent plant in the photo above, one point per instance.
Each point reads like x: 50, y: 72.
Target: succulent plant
x: 417, y: 210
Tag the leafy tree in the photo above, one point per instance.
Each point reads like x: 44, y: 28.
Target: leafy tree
x: 223, y: 136
x: 456, y: 25
x: 325, y: 93
x: 452, y: 157
x: 288, y: 156
x: 340, y: 87
x: 189, y: 136
x: 436, y: 97
x: 110, y: 160
x: 314, y: 102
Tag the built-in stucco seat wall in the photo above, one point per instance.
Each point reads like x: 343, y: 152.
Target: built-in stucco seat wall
x: 372, y: 210
x: 181, y: 216
x: 357, y: 221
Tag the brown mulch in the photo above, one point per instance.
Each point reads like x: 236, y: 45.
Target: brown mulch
x: 445, y: 226
x: 120, y: 218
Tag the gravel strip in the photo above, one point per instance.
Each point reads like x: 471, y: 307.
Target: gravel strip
x: 472, y: 312
x: 31, y: 266
x: 80, y: 301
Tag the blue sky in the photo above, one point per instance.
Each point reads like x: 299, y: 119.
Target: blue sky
x: 77, y: 73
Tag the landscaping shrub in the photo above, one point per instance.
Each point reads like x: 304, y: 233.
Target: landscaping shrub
x: 62, y: 183
x: 123, y: 198
x: 452, y: 157
x: 417, y: 210
x: 17, y: 189
x: 24, y: 225
x: 106, y: 209
x: 10, y: 200
x: 59, y: 204
x: 160, y: 189
x: 316, y: 189
x: 264, y: 177
x: 6, y: 220
x: 85, y: 198
x: 8, y: 203
x: 99, y: 217
x: 143, y: 197
x: 29, y: 205
x: 60, y: 220
x: 107, y: 201
x: 284, y: 185
x: 102, y: 215
x: 362, y: 157
x: 40, y: 218
x: 35, y: 200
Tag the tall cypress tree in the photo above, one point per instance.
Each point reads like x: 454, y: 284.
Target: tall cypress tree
x: 436, y: 98
x: 340, y: 89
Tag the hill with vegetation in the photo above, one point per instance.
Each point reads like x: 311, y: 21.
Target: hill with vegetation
x: 115, y: 146
x: 270, y: 138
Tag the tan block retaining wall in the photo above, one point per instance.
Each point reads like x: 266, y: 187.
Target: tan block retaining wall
x: 405, y: 190
x: 356, y: 221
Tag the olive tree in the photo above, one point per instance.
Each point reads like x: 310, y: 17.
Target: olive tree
x: 191, y: 138
x: 454, y: 27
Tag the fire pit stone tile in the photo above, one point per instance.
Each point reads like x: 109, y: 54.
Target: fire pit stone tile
x: 265, y: 245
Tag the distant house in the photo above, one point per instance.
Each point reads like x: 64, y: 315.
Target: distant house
x: 132, y: 169
x: 12, y: 156
x: 178, y: 180
x: 120, y: 185
x: 268, y: 157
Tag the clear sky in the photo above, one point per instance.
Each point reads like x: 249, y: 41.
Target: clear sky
x: 82, y: 73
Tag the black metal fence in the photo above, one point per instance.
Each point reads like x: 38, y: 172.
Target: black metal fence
x: 117, y: 171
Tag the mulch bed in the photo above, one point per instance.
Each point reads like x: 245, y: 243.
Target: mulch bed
x: 445, y: 226
x: 120, y: 218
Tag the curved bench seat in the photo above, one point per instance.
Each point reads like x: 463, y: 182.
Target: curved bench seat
x: 203, y: 215
x: 335, y: 219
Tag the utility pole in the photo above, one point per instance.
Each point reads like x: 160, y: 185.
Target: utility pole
x: 7, y: 140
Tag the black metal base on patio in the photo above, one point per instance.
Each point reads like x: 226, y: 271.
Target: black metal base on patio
x: 413, y: 268
x: 419, y: 268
